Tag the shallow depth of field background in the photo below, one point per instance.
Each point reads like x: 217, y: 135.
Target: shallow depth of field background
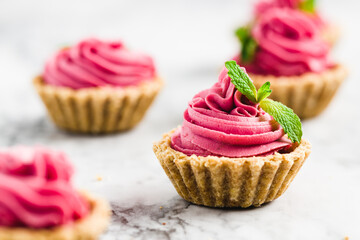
x: 189, y: 40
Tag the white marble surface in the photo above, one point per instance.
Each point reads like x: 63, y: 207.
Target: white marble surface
x: 189, y: 40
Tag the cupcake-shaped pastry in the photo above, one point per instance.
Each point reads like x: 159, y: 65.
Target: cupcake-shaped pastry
x: 284, y: 47
x: 98, y: 87
x: 38, y: 201
x: 232, y: 149
x: 329, y: 32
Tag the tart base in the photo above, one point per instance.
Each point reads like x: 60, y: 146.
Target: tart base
x: 88, y: 228
x: 97, y: 110
x: 230, y: 182
x: 308, y: 94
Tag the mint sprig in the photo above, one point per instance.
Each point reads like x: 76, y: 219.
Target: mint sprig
x: 264, y: 92
x: 241, y: 80
x: 307, y: 6
x: 285, y: 116
x: 248, y: 44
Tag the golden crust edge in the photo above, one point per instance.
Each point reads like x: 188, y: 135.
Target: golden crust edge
x: 253, y: 181
x: 164, y: 145
x: 39, y: 83
x: 97, y: 110
x: 338, y: 70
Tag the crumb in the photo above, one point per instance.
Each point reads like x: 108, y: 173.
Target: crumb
x: 161, y: 207
x: 99, y: 178
x: 164, y: 224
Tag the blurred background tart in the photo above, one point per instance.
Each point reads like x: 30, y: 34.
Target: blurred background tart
x: 284, y: 46
x: 38, y: 200
x: 98, y: 86
x: 328, y: 30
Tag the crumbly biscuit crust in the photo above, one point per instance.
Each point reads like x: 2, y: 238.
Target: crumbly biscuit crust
x: 230, y: 182
x: 97, y: 110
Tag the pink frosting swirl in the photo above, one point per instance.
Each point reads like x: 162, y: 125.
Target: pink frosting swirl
x: 35, y: 189
x: 95, y: 63
x: 289, y: 44
x: 264, y: 5
x: 220, y: 121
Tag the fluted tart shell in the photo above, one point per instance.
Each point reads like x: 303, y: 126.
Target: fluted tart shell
x: 99, y: 109
x: 230, y: 182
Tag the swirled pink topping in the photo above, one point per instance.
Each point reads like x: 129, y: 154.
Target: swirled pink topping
x: 289, y: 44
x: 220, y: 121
x: 264, y: 5
x: 95, y: 63
x: 35, y: 189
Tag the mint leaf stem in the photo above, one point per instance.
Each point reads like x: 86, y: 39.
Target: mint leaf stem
x: 307, y: 6
x: 241, y: 80
x: 248, y: 44
x: 264, y: 91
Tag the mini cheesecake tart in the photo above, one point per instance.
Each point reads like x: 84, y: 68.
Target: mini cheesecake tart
x: 292, y: 55
x: 38, y: 200
x: 229, y: 152
x: 88, y: 228
x: 98, y: 87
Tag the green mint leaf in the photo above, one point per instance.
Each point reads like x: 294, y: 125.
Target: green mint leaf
x: 242, y: 34
x: 241, y: 81
x: 285, y: 116
x: 248, y: 44
x: 263, y: 92
x: 308, y: 6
